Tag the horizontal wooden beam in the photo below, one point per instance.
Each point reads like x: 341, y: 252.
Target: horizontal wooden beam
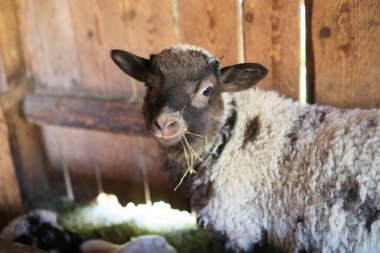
x: 116, y: 116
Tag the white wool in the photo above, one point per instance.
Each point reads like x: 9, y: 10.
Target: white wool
x: 255, y: 192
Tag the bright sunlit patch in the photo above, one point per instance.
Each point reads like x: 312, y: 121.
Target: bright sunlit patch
x: 156, y: 217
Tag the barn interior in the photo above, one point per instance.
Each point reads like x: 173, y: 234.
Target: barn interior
x: 72, y: 135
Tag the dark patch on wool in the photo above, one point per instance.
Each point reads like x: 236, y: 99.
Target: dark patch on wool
x: 369, y: 211
x: 251, y: 132
x: 324, y: 157
x: 202, y: 192
x: 293, y: 136
x: 218, y: 237
x: 350, y: 194
x: 372, y: 123
x: 300, y: 219
x: 226, y: 133
x: 263, y: 246
x: 321, y: 116
x: 315, y: 117
x: 220, y: 240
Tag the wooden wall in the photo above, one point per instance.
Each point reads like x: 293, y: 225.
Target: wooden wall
x: 63, y: 47
x: 346, y: 46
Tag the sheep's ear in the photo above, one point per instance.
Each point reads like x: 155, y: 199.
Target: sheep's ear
x: 242, y: 76
x: 135, y: 66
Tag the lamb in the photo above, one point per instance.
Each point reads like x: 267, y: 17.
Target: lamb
x: 303, y: 178
x: 40, y: 229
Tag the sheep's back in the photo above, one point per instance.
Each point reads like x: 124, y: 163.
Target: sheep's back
x: 306, y: 174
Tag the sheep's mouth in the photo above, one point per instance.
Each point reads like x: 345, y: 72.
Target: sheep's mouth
x: 168, y: 140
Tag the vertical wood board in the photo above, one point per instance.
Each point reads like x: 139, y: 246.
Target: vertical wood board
x: 150, y: 28
x: 10, y: 198
x: 10, y: 42
x: 211, y: 25
x: 346, y: 39
x: 3, y: 76
x: 51, y: 47
x: 99, y: 27
x: 272, y: 38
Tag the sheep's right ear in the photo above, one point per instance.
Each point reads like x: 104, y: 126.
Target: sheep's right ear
x: 242, y: 76
x: 135, y: 66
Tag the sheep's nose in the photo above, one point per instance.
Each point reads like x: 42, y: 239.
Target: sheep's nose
x: 166, y: 129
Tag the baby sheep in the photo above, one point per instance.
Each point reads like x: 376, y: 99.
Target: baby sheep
x: 305, y: 176
x: 40, y: 229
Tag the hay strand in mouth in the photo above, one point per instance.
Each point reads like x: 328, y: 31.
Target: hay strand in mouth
x: 194, y: 156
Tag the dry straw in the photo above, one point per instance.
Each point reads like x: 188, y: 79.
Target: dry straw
x: 191, y: 155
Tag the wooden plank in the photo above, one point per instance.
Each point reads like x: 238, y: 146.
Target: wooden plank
x: 212, y: 25
x: 90, y: 113
x: 26, y: 145
x: 10, y: 41
x: 346, y: 39
x: 10, y: 198
x: 272, y: 38
x: 3, y: 76
x: 150, y: 28
x: 98, y: 28
x: 53, y: 44
x: 7, y: 246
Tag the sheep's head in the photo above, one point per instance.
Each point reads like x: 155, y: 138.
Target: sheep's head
x: 184, y: 85
x: 40, y: 229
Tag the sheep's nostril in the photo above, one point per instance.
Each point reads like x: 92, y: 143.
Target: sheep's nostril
x: 166, y: 128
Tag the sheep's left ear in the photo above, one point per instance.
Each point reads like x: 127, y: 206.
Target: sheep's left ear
x: 242, y: 76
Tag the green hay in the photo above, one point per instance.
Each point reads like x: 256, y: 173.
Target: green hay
x: 191, y: 155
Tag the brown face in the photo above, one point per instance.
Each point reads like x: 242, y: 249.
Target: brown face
x: 184, y: 89
x: 178, y: 102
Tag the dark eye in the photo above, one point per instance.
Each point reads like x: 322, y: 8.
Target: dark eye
x: 48, y: 237
x: 207, y: 91
x: 149, y: 86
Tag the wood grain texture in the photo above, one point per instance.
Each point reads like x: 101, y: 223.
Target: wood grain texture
x: 346, y: 39
x: 3, y: 76
x: 10, y: 198
x: 7, y: 246
x: 10, y: 41
x: 114, y: 116
x: 212, y: 25
x: 54, y: 52
x: 272, y: 38
x: 99, y: 27
x: 26, y: 145
x: 150, y: 28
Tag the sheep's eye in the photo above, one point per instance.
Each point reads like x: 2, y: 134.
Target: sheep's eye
x: 207, y: 91
x: 48, y: 237
x: 149, y: 86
